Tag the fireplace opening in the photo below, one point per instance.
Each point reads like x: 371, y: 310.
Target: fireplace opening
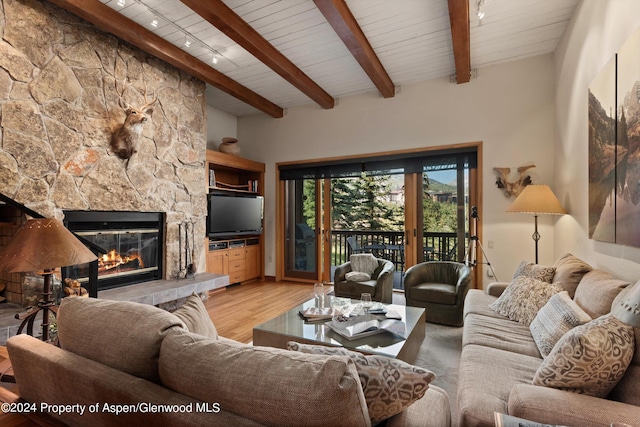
x: 133, y: 245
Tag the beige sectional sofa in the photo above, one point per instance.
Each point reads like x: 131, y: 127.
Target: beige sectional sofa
x: 124, y: 363
x: 500, y: 359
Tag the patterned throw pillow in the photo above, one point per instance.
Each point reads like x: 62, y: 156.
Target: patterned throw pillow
x: 390, y: 385
x: 556, y: 318
x: 590, y: 358
x: 523, y: 298
x: 535, y: 271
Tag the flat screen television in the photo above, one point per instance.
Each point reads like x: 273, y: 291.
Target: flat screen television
x: 234, y: 215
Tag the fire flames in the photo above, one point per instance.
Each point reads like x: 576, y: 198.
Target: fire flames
x: 113, y: 259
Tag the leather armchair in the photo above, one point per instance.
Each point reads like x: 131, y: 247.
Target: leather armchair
x: 440, y: 287
x: 380, y: 286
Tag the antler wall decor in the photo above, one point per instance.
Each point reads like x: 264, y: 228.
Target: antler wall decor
x: 513, y: 188
x: 125, y: 138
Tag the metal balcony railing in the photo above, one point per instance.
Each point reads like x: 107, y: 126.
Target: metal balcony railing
x: 438, y: 246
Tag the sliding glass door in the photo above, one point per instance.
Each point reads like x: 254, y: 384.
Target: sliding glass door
x: 405, y: 207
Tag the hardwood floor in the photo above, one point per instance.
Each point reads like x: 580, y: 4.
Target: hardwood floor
x: 236, y: 310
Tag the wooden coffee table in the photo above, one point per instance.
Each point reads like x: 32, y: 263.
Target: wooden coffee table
x: 290, y: 326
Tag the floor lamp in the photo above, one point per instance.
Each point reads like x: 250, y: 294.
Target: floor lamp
x: 43, y: 244
x: 537, y: 200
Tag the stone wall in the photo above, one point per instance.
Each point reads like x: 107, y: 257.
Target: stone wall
x: 59, y: 107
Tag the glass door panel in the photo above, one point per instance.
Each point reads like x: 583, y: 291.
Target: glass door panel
x: 444, y: 214
x: 302, y: 222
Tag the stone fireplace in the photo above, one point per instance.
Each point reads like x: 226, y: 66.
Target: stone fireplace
x: 60, y: 107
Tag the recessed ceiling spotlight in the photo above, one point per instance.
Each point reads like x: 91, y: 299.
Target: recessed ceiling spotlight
x: 121, y: 3
x: 187, y: 41
x: 154, y: 22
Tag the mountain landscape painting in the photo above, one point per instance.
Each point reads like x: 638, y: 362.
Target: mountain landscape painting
x: 602, y: 154
x: 628, y: 143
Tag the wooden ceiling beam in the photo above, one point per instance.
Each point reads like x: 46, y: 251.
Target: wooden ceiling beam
x: 345, y: 25
x: 120, y: 26
x: 461, y: 36
x: 233, y: 26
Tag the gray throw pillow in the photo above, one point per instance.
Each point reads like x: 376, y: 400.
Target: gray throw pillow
x: 556, y: 318
x: 194, y: 315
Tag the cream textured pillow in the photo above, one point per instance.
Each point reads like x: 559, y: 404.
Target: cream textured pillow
x: 556, y: 318
x: 590, y: 358
x: 523, y: 298
x: 196, y: 318
x: 357, y: 276
x: 535, y: 271
x: 390, y: 385
x: 365, y: 263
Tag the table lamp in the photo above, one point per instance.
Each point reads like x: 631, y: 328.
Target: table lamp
x: 43, y: 244
x: 537, y: 200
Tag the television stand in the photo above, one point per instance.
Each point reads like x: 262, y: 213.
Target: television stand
x: 239, y: 257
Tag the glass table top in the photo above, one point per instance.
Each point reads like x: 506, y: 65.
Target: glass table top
x: 291, y: 324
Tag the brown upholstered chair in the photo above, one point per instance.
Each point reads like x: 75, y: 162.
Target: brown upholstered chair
x: 440, y: 287
x: 380, y: 286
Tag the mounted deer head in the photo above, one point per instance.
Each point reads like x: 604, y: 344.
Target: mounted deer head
x: 125, y: 138
x: 513, y: 188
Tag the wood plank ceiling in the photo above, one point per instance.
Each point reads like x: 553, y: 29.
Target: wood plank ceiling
x: 269, y: 55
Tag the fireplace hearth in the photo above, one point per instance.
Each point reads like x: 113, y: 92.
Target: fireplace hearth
x: 133, y: 244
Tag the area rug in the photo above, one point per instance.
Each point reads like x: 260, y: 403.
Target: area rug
x: 440, y: 353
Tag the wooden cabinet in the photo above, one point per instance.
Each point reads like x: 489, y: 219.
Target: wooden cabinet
x: 253, y: 254
x: 240, y: 258
x: 218, y: 261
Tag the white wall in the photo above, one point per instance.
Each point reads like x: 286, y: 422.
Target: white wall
x: 510, y: 107
x: 596, y: 32
x: 219, y: 125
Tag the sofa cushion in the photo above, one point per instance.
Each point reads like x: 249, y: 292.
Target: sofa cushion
x: 523, y: 298
x: 478, y: 302
x: 596, y: 291
x: 103, y: 330
x: 569, y: 272
x: 535, y: 271
x: 390, y: 386
x: 590, y: 358
x: 194, y: 315
x: 499, y: 333
x: 555, y: 319
x: 485, y: 378
x: 268, y: 385
x: 438, y: 293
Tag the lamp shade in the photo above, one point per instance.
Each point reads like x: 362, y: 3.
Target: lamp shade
x: 628, y: 310
x: 42, y: 244
x: 537, y: 199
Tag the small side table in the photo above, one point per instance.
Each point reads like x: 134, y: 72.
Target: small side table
x: 6, y: 370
